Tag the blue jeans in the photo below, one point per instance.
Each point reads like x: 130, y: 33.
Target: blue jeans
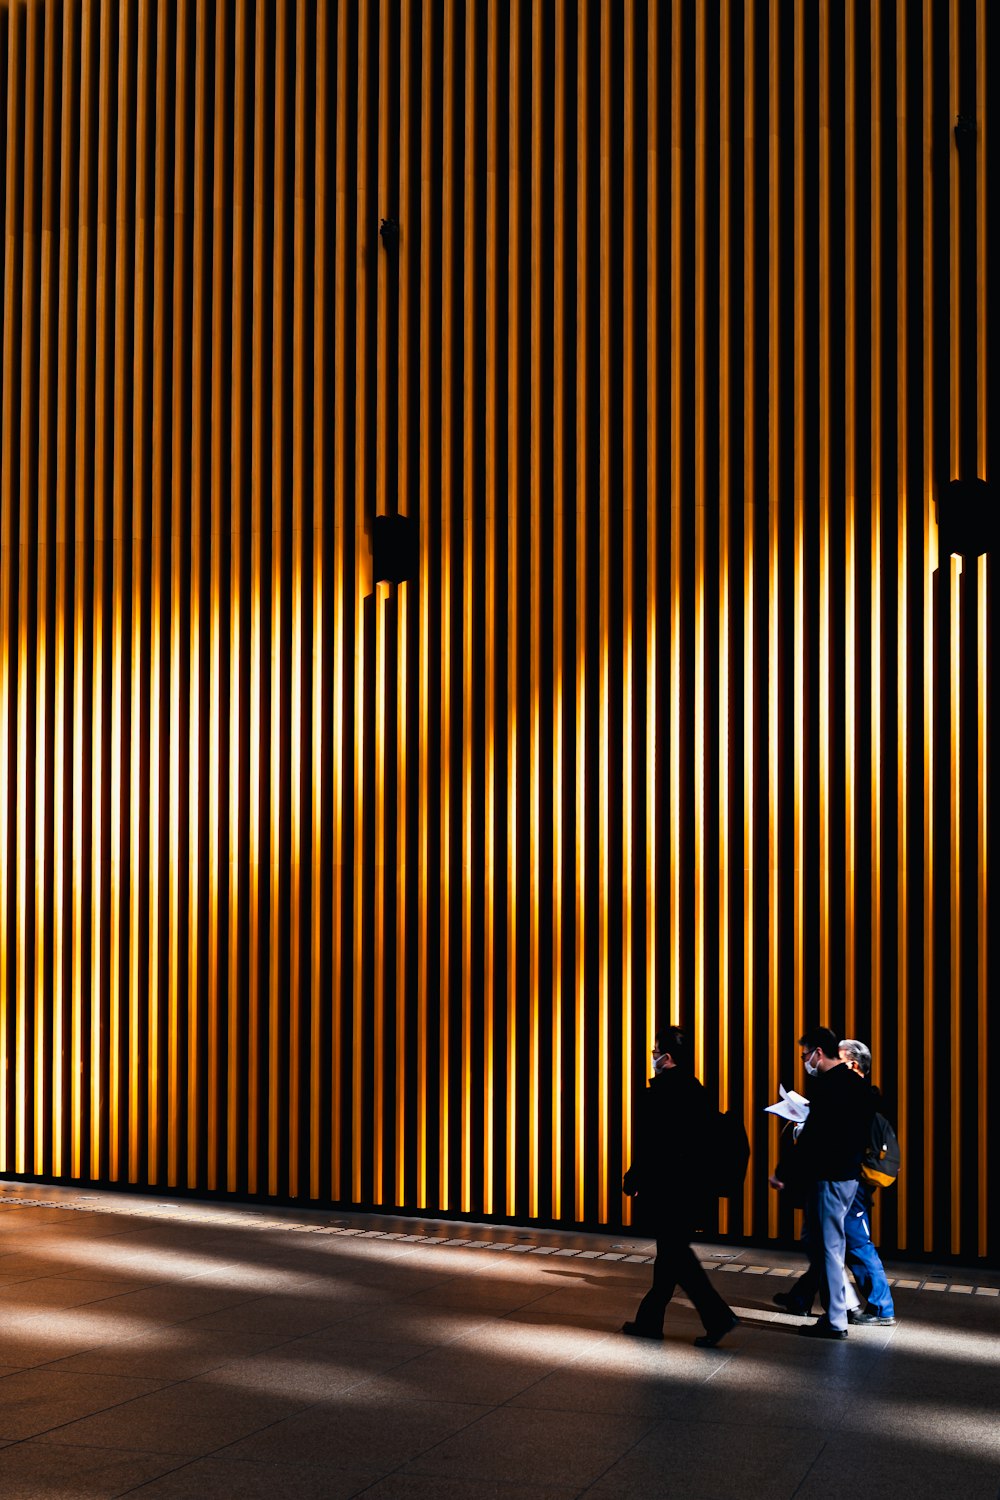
x: 827, y: 1207
x: 862, y: 1257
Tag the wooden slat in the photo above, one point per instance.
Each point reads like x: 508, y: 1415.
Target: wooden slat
x: 721, y: 754
x: 63, y: 1079
x: 678, y: 232
x: 629, y: 415
x: 603, y: 573
x: 238, y: 966
x: 450, y: 262
x: 180, y: 510
x: 216, y: 979
x: 699, y: 294
x: 958, y: 386
x: 256, y: 1097
x: 408, y: 159
x: 340, y: 961
x: 472, y: 499
x: 750, y: 718
x: 424, y: 813
x: 48, y: 770
x: 366, y: 250
x: 982, y: 623
x: 98, y: 375
x: 798, y: 497
x: 825, y: 630
x: 774, y: 617
x: 142, y: 440
x: 902, y: 1020
x: 86, y: 254
x: 120, y: 585
x: 382, y: 707
x: 283, y: 1005
x: 325, y: 213
x: 561, y: 399
x: 201, y: 1015
x: 491, y: 380
x: 534, y: 614
x: 581, y: 1030
x: 9, y: 487
x: 930, y: 558
x: 850, y: 617
x: 27, y: 535
x: 515, y: 295
x: 654, y: 485
x: 875, y: 428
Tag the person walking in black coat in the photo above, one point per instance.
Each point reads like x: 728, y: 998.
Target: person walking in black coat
x: 667, y: 1179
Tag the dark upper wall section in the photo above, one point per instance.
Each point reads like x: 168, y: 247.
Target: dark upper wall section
x: 666, y: 326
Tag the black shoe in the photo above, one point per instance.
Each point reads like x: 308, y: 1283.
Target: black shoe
x: 791, y: 1304
x: 710, y: 1339
x: 868, y: 1319
x: 642, y: 1333
x: 821, y: 1329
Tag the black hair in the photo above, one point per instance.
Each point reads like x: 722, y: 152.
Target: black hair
x: 822, y: 1037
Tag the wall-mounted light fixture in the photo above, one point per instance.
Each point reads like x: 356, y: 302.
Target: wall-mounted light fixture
x: 395, y: 549
x: 965, y: 523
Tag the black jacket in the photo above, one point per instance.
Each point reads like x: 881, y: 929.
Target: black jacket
x: 667, y: 1170
x: 834, y: 1137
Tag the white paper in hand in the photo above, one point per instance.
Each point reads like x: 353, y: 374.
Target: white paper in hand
x: 791, y: 1106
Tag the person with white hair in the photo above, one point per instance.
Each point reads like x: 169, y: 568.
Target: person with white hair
x: 860, y: 1255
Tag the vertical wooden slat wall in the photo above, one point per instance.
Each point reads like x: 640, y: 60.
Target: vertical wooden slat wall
x: 666, y: 327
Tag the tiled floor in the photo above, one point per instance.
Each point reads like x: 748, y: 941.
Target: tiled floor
x: 204, y: 1351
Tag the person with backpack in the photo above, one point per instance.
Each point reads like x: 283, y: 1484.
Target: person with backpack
x: 669, y: 1180
x: 861, y: 1256
x: 828, y: 1157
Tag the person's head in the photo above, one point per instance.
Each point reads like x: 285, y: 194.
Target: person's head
x: 856, y: 1055
x: 820, y: 1050
x: 671, y: 1049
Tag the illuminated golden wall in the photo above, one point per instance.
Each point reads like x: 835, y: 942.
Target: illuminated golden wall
x: 318, y: 887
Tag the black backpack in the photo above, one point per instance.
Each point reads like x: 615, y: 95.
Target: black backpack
x: 726, y: 1155
x: 882, y: 1159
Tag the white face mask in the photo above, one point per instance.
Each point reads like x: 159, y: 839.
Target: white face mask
x: 812, y: 1070
x: 660, y: 1060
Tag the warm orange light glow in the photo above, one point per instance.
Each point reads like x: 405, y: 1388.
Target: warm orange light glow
x: 774, y: 297
x: 471, y: 478
x: 875, y: 618
x: 798, y: 768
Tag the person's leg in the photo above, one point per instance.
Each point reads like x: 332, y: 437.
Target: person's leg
x: 833, y: 1199
x: 864, y: 1259
x: 712, y: 1309
x: 649, y: 1316
x: 802, y: 1293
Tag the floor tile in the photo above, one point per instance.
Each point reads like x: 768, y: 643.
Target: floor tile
x: 711, y: 1461
x: 40, y: 1470
x: 33, y: 1402
x: 192, y: 1418
x: 239, y: 1479
x: 375, y: 1434
x: 404, y: 1486
x: 518, y: 1446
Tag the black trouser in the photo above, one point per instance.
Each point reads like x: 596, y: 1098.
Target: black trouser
x: 677, y: 1265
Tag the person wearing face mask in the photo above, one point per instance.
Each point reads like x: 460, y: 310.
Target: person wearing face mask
x: 862, y: 1258
x: 666, y: 1178
x: 828, y: 1159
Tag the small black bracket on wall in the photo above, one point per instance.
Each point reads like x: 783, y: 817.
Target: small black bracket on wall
x: 965, y: 128
x: 395, y: 549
